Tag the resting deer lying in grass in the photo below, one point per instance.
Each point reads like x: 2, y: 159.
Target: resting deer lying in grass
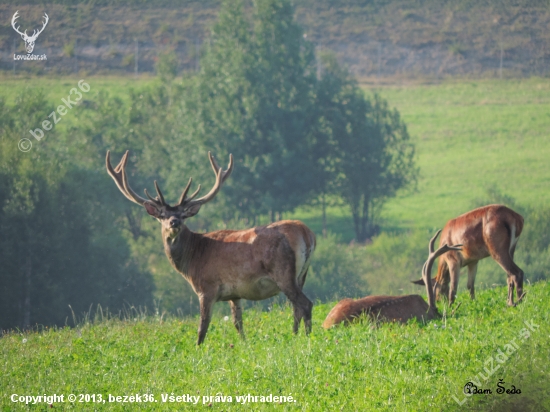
x: 486, y: 231
x: 392, y: 308
x: 229, y: 265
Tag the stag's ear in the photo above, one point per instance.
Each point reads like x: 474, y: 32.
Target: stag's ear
x: 192, y: 211
x: 152, y: 209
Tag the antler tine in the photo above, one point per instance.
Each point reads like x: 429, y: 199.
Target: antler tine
x: 195, y: 193
x: 432, y: 242
x: 183, y: 198
x: 221, y: 176
x: 115, y: 173
x: 444, y: 249
x: 149, y: 196
x: 119, y: 176
x: 159, y: 200
x: 217, y: 169
x: 159, y: 194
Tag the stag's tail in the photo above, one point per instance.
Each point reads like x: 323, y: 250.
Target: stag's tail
x: 515, y: 227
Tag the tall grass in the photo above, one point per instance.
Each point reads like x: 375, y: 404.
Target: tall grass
x: 394, y: 367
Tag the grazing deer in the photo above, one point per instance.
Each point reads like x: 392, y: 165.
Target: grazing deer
x: 486, y: 231
x: 392, y: 308
x: 229, y: 265
x: 29, y: 40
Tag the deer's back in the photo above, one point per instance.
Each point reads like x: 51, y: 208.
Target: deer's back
x: 384, y: 308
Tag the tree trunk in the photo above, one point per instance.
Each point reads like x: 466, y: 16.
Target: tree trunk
x: 27, y: 301
x: 356, y: 224
x: 362, y: 221
x: 324, y: 208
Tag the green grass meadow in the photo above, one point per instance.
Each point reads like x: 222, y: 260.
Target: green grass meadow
x: 470, y: 135
x: 413, y: 367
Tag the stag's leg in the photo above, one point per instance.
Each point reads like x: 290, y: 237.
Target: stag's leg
x: 503, y: 254
x: 514, y: 277
x: 454, y: 273
x: 285, y: 276
x: 302, y: 280
x: 441, y: 281
x: 472, y: 270
x: 301, y: 304
x: 519, y: 283
x: 206, y: 303
x: 237, y: 313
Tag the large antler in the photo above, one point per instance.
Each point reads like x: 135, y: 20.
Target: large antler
x: 121, y: 179
x: 221, y: 176
x: 427, y: 269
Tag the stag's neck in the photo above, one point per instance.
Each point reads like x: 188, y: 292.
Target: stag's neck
x: 182, y: 249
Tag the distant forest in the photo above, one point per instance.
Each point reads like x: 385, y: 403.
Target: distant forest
x: 379, y: 38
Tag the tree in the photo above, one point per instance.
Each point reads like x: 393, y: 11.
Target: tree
x: 59, y: 246
x: 372, y: 156
x: 255, y: 96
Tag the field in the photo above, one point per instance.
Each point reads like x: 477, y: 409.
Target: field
x: 413, y: 367
x: 469, y: 136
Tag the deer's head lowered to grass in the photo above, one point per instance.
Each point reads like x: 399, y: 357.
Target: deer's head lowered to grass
x: 491, y: 230
x: 392, y: 308
x: 229, y: 265
x: 29, y: 40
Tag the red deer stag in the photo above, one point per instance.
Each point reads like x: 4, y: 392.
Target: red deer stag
x: 392, y: 308
x: 486, y: 231
x: 229, y: 265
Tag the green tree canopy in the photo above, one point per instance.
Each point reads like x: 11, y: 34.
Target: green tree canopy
x: 371, y: 155
x: 59, y: 246
x: 255, y: 96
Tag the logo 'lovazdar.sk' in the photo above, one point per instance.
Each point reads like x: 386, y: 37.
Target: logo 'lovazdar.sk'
x: 29, y: 40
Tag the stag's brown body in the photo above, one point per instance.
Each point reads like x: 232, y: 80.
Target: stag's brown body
x: 392, y: 308
x: 253, y: 264
x: 383, y: 308
x: 250, y: 264
x: 229, y: 265
x: 491, y: 230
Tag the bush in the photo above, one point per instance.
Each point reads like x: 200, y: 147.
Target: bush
x: 335, y: 271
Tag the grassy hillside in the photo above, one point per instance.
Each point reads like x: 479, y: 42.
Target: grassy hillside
x: 472, y: 136
x: 56, y: 88
x: 469, y: 136
x: 395, y: 367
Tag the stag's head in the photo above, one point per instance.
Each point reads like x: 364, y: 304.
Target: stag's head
x: 435, y: 288
x: 29, y: 40
x: 170, y: 217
